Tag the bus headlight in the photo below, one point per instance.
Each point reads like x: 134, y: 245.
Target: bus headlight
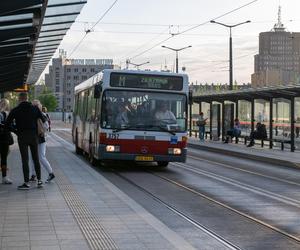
x: 112, y: 148
x: 174, y: 151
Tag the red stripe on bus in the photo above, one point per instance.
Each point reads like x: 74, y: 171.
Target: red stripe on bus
x: 143, y: 146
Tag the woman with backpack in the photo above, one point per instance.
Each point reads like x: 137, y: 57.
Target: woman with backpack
x: 42, y: 128
x: 5, y: 140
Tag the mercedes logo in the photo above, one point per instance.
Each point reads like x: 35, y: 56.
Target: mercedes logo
x: 144, y: 150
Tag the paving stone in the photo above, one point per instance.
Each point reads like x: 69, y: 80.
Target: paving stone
x: 41, y: 218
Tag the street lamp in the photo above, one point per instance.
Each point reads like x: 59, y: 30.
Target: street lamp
x: 137, y: 65
x: 176, y: 50
x: 230, y: 48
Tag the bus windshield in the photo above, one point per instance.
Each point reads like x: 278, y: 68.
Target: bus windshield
x: 143, y: 110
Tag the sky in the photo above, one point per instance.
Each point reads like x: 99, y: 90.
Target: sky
x: 136, y: 30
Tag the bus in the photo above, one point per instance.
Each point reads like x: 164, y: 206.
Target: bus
x: 132, y: 115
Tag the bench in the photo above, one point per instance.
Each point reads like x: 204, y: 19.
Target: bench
x: 262, y: 141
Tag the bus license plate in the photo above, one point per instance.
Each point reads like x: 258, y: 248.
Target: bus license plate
x: 144, y: 158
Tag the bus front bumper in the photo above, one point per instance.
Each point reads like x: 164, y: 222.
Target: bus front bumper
x: 104, y: 155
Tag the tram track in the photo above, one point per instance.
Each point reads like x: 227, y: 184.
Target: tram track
x: 181, y: 214
x: 192, y: 156
x: 251, y: 188
x: 199, y: 225
x: 258, y: 221
x: 209, y: 198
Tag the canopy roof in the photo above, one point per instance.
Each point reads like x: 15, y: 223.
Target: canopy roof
x: 265, y: 93
x: 30, y: 32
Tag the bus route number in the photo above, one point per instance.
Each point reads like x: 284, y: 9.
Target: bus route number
x: 113, y: 136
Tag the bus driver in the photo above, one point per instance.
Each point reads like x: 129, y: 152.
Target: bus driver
x: 163, y: 114
x: 122, y: 118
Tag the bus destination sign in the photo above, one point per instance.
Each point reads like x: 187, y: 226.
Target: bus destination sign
x: 144, y: 81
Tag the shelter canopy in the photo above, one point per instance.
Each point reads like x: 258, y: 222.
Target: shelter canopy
x: 30, y: 32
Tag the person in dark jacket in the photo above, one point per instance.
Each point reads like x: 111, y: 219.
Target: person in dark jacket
x: 260, y: 133
x: 25, y: 117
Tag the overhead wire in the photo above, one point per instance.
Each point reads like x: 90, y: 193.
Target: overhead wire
x: 89, y: 30
x: 218, y: 17
x: 192, y: 28
x: 146, y: 43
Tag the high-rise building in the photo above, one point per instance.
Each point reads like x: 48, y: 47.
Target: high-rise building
x: 278, y: 61
x: 64, y: 74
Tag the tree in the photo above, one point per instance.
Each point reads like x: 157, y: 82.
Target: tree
x: 48, y: 100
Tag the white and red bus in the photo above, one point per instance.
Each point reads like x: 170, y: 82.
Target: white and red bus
x: 132, y: 115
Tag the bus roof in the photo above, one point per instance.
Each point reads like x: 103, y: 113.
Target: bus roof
x: 97, y: 77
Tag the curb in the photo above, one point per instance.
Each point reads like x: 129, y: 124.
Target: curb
x: 245, y: 155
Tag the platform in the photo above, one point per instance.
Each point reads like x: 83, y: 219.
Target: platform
x: 80, y: 209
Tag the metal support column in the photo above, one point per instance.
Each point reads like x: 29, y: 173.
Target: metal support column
x: 252, y: 115
x: 200, y: 107
x: 223, y: 121
x: 271, y: 123
x: 190, y: 113
x: 210, y: 121
x: 237, y: 109
x: 292, y: 115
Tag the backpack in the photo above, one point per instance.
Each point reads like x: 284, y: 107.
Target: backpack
x: 42, y: 127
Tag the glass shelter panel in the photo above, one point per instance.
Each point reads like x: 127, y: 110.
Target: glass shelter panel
x: 205, y: 108
x: 282, y: 121
x: 244, y: 115
x: 195, y: 115
x: 262, y: 113
x: 297, y: 123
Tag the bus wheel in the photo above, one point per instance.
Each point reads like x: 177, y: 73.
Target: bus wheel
x: 162, y: 164
x: 78, y: 150
x: 91, y: 157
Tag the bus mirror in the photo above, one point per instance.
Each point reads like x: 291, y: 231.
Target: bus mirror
x: 97, y: 91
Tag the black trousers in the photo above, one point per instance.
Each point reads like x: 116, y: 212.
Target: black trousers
x: 27, y: 140
x: 4, y: 147
x: 255, y: 136
x: 3, y: 153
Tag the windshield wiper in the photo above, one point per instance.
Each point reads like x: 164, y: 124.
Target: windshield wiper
x: 161, y: 128
x: 125, y: 128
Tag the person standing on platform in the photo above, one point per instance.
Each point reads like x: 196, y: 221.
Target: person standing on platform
x: 42, y: 147
x: 4, y: 140
x: 201, y: 124
x: 25, y: 117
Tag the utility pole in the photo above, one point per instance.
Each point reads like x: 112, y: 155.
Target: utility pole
x: 176, y: 50
x: 230, y: 48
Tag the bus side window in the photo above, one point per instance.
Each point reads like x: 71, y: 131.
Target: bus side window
x: 98, y: 90
x: 76, y: 105
x: 91, y: 105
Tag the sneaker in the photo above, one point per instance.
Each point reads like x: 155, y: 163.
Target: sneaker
x: 32, y: 178
x: 25, y: 186
x: 50, y: 177
x: 6, y: 180
x: 39, y: 184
